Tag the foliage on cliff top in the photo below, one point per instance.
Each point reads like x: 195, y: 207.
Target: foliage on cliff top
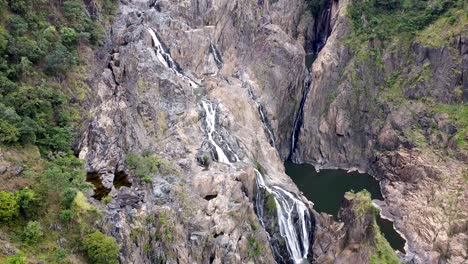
x: 381, y: 250
x: 384, y: 19
x: 362, y: 202
x: 445, y: 29
x: 458, y: 114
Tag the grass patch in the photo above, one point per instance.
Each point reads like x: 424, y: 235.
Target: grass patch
x: 444, y: 30
x: 383, y: 252
x: 270, y: 204
x: 255, y: 248
x: 458, y: 114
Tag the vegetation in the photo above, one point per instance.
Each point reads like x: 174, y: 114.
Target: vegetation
x: 149, y: 165
x: 101, y: 249
x: 8, y: 206
x: 381, y: 250
x: 362, y: 202
x: 384, y: 19
x: 255, y: 248
x: 270, y: 203
x: 458, y: 114
x: 40, y: 71
x: 32, y: 233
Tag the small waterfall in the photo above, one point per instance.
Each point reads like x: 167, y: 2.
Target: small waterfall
x: 210, y: 119
x: 165, y: 58
x: 263, y: 118
x: 293, y: 219
x: 216, y: 55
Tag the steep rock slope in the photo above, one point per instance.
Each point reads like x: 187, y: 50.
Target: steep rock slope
x: 396, y: 108
x: 179, y: 91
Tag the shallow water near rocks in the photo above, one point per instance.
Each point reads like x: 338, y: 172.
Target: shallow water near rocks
x: 326, y: 190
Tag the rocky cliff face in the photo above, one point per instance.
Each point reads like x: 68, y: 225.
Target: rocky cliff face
x: 372, y: 109
x: 212, y: 90
x: 186, y: 83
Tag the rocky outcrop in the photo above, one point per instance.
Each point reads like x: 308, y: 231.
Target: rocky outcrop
x: 424, y: 199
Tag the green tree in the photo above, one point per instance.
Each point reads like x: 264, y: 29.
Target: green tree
x: 101, y: 249
x: 32, y: 233
x: 58, y: 61
x: 8, y: 206
x: 9, y: 120
x: 76, y: 14
x: 25, y: 47
x: 18, y: 26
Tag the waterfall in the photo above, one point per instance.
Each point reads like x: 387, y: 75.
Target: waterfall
x: 216, y: 55
x: 210, y: 118
x: 263, y: 118
x: 165, y: 59
x: 293, y: 219
x: 300, y: 115
x: 321, y: 33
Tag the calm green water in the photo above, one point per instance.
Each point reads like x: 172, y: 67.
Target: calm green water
x: 326, y: 190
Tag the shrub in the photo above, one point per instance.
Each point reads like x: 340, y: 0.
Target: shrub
x: 3, y: 40
x: 9, y: 120
x: 50, y: 34
x: 148, y: 165
x: 386, y: 18
x: 101, y: 249
x: 8, y: 206
x: 27, y: 202
x: 69, y: 36
x: 76, y: 14
x: 20, y: 6
x: 63, y: 173
x: 66, y: 215
x: 68, y: 197
x: 32, y: 233
x: 19, y: 258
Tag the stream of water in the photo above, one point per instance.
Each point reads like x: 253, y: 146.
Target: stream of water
x: 326, y: 190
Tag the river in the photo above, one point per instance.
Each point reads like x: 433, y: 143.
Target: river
x: 326, y: 190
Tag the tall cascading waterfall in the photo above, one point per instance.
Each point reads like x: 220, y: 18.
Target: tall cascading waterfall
x: 165, y: 58
x: 322, y: 31
x: 293, y: 219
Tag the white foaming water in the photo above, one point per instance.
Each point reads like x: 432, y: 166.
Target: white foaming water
x: 166, y: 59
x: 210, y: 117
x: 286, y: 205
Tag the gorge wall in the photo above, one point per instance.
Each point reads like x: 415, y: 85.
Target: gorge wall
x: 210, y: 91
